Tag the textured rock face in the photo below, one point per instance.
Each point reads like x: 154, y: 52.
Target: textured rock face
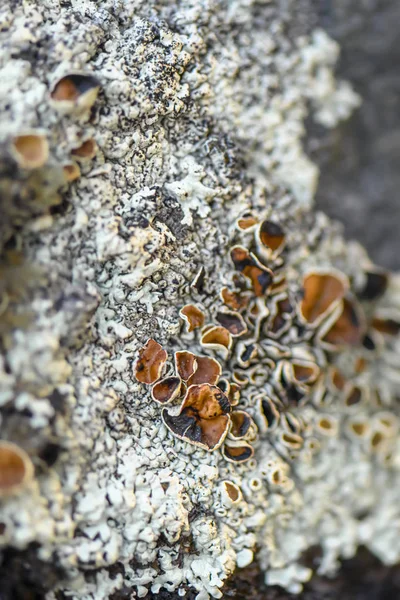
x: 148, y: 151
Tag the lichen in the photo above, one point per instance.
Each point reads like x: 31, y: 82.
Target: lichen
x: 193, y: 191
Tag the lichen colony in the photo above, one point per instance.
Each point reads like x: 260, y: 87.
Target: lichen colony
x: 196, y: 369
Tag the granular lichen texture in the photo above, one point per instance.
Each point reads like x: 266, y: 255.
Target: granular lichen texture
x: 197, y: 371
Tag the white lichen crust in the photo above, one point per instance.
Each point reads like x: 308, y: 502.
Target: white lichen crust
x: 194, y: 112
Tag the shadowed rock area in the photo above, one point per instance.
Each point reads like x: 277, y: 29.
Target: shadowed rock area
x: 362, y: 578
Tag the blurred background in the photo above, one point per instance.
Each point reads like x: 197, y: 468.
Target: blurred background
x: 360, y: 160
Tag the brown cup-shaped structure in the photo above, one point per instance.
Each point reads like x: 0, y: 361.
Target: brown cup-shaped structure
x: 358, y: 427
x: 284, y: 306
x: 241, y: 422
x: 327, y: 425
x: 377, y: 441
x: 151, y: 361
x: 271, y: 236
x: 231, y: 493
x: 302, y: 372
x: 246, y: 221
x: 233, y: 322
x: 269, y: 413
x: 30, y: 150
x: 290, y: 423
x: 348, y: 329
x: 245, y: 353
x: 16, y: 468
x: 86, y: 151
x: 166, y: 390
x: 203, y: 418
x: 234, y: 394
x: 291, y: 440
x: 235, y: 300
x: 360, y: 364
x: 185, y: 363
x: 237, y: 452
x: 375, y: 285
x: 240, y: 377
x: 322, y: 292
x: 276, y: 477
x: 217, y: 338
x: 193, y: 317
x: 354, y: 396
x: 260, y: 276
x: 277, y: 326
x: 336, y: 380
x: 294, y: 394
x: 280, y: 319
x: 75, y: 92
x: 208, y: 370
x: 71, y: 172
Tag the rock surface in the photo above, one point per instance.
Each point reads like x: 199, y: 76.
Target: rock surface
x: 151, y: 157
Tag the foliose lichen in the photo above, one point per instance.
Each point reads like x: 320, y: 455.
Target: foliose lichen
x: 196, y: 369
